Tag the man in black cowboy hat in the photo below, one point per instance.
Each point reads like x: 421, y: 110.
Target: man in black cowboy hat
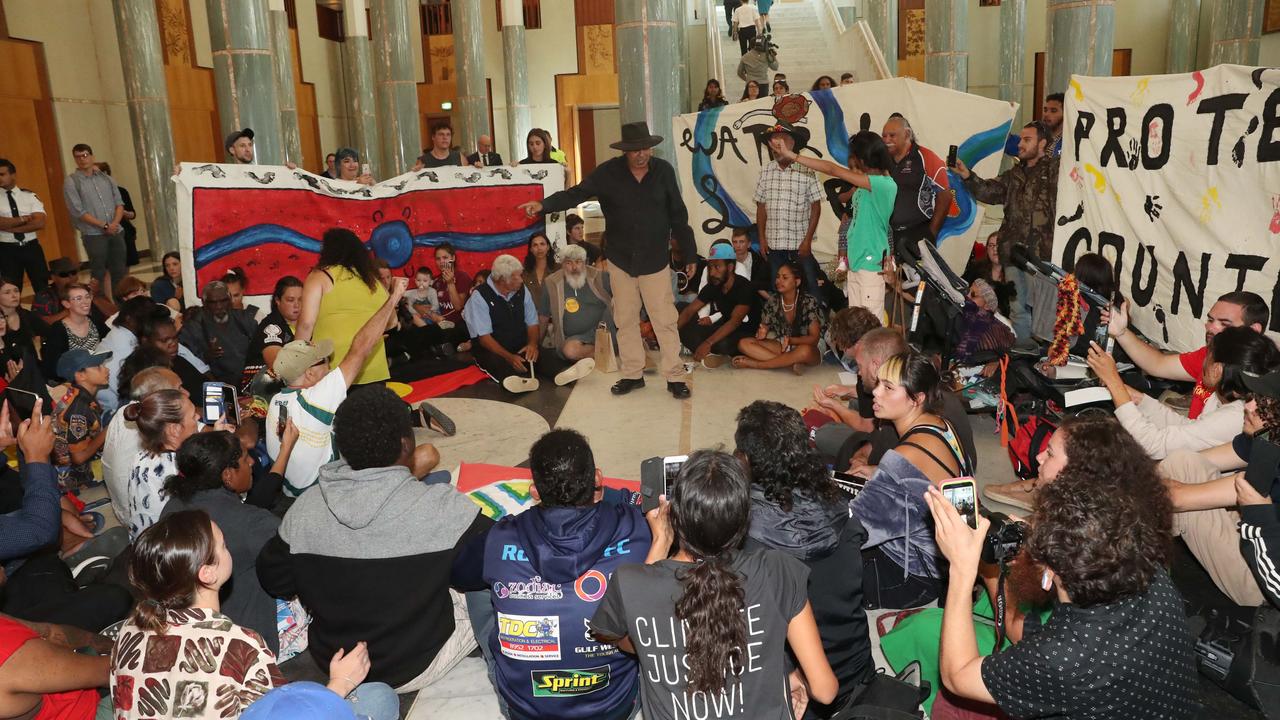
x: 643, y: 210
x: 788, y: 205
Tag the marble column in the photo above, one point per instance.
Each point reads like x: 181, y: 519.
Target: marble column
x: 357, y: 62
x: 138, y: 31
x: 244, y: 74
x: 1184, y: 36
x: 1013, y: 53
x: 682, y: 71
x: 1080, y: 38
x: 1235, y: 32
x: 882, y: 17
x: 397, y: 90
x: 282, y: 51
x: 648, y: 74
x: 946, y: 43
x: 515, y: 66
x: 471, y: 110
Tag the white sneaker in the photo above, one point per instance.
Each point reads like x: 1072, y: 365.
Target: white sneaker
x: 713, y: 361
x: 576, y: 372
x: 520, y: 384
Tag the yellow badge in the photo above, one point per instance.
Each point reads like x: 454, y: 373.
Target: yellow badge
x: 571, y: 305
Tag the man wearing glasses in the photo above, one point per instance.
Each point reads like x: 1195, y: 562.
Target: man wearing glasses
x: 1029, y: 193
x: 97, y: 209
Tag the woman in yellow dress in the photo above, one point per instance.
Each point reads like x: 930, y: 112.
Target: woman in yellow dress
x: 339, y: 296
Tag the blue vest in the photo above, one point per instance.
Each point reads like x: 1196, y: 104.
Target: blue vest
x: 507, y: 317
x: 548, y: 665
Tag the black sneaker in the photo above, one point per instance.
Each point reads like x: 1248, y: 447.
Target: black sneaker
x: 625, y: 385
x: 679, y: 390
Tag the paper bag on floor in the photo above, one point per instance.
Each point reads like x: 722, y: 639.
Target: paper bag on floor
x: 606, y: 353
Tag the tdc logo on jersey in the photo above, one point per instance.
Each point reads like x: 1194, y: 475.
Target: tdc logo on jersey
x: 569, y: 683
x: 529, y: 637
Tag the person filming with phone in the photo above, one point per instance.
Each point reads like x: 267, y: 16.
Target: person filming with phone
x: 1116, y: 644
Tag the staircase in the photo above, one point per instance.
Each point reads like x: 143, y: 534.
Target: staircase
x: 805, y: 50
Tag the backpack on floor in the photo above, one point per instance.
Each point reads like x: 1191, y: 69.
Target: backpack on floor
x: 1239, y: 651
x: 1027, y: 444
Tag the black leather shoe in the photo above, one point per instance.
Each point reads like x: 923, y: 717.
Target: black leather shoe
x: 624, y: 386
x: 679, y: 390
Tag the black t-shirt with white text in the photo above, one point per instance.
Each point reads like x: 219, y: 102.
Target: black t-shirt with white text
x: 640, y: 602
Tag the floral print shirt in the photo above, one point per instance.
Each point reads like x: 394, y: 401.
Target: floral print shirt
x: 775, y: 317
x: 202, y: 666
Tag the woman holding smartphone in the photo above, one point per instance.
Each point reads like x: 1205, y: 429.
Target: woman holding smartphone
x: 718, y: 617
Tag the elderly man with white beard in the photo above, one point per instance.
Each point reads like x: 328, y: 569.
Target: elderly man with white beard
x: 575, y: 301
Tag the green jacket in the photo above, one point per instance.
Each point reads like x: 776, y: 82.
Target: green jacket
x: 1029, y: 196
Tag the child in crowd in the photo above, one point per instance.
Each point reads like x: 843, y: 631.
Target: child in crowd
x: 77, y: 418
x: 423, y: 301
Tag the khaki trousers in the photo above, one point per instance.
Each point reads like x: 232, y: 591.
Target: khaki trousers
x: 866, y: 288
x: 652, y: 291
x: 1211, y: 534
x: 458, y: 646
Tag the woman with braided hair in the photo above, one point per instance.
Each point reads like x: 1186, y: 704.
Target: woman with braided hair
x: 710, y: 625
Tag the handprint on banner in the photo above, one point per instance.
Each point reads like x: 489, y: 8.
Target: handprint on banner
x: 1153, y: 207
x: 1208, y: 202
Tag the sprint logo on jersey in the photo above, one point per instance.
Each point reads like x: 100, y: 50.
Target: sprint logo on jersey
x: 529, y: 637
x: 569, y: 683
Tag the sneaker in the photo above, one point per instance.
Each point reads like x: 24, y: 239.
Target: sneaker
x: 445, y: 324
x: 520, y: 384
x: 713, y: 361
x: 436, y: 420
x: 576, y: 372
x: 1018, y: 494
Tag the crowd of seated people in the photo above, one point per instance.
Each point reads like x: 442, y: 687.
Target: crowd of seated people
x: 311, y: 533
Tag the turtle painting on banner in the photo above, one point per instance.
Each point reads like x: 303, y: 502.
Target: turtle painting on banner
x: 720, y: 152
x: 1176, y: 180
x: 270, y: 220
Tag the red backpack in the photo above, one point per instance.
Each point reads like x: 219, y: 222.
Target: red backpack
x: 1027, y: 444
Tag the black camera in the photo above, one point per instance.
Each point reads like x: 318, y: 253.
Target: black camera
x: 1004, y: 539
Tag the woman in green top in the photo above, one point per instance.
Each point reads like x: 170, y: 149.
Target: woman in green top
x: 872, y: 204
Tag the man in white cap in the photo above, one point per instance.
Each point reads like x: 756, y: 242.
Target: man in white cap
x: 314, y: 391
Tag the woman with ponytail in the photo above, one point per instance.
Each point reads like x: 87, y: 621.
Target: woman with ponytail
x: 164, y: 419
x: 711, y: 624
x: 179, y: 639
x: 213, y: 471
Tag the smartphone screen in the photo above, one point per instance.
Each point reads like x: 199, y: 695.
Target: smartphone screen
x: 670, y: 469
x: 963, y: 495
x: 951, y: 156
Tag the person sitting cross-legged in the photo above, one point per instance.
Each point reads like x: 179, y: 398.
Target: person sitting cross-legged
x: 505, y: 332
x: 368, y: 551
x: 790, y: 328
x: 314, y: 391
x: 576, y: 300
x: 713, y: 339
x: 571, y: 539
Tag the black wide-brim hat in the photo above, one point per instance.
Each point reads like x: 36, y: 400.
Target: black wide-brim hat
x: 764, y: 132
x: 635, y: 136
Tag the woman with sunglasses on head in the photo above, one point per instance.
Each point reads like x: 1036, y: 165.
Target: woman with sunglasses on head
x: 717, y: 617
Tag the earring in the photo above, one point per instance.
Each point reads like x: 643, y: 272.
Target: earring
x: 1046, y: 581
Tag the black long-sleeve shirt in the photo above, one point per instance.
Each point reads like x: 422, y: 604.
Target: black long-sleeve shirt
x: 640, y: 216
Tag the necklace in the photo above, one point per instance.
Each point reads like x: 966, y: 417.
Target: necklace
x: 789, y: 308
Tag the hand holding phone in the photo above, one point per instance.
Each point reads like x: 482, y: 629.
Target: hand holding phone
x: 962, y: 493
x: 221, y: 403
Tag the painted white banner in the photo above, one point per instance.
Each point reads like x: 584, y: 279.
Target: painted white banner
x: 720, y: 159
x: 1175, y: 179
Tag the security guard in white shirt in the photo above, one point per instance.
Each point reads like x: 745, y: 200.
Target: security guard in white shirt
x: 21, y: 216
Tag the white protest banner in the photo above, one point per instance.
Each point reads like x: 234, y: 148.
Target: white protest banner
x: 720, y: 159
x: 1174, y: 178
